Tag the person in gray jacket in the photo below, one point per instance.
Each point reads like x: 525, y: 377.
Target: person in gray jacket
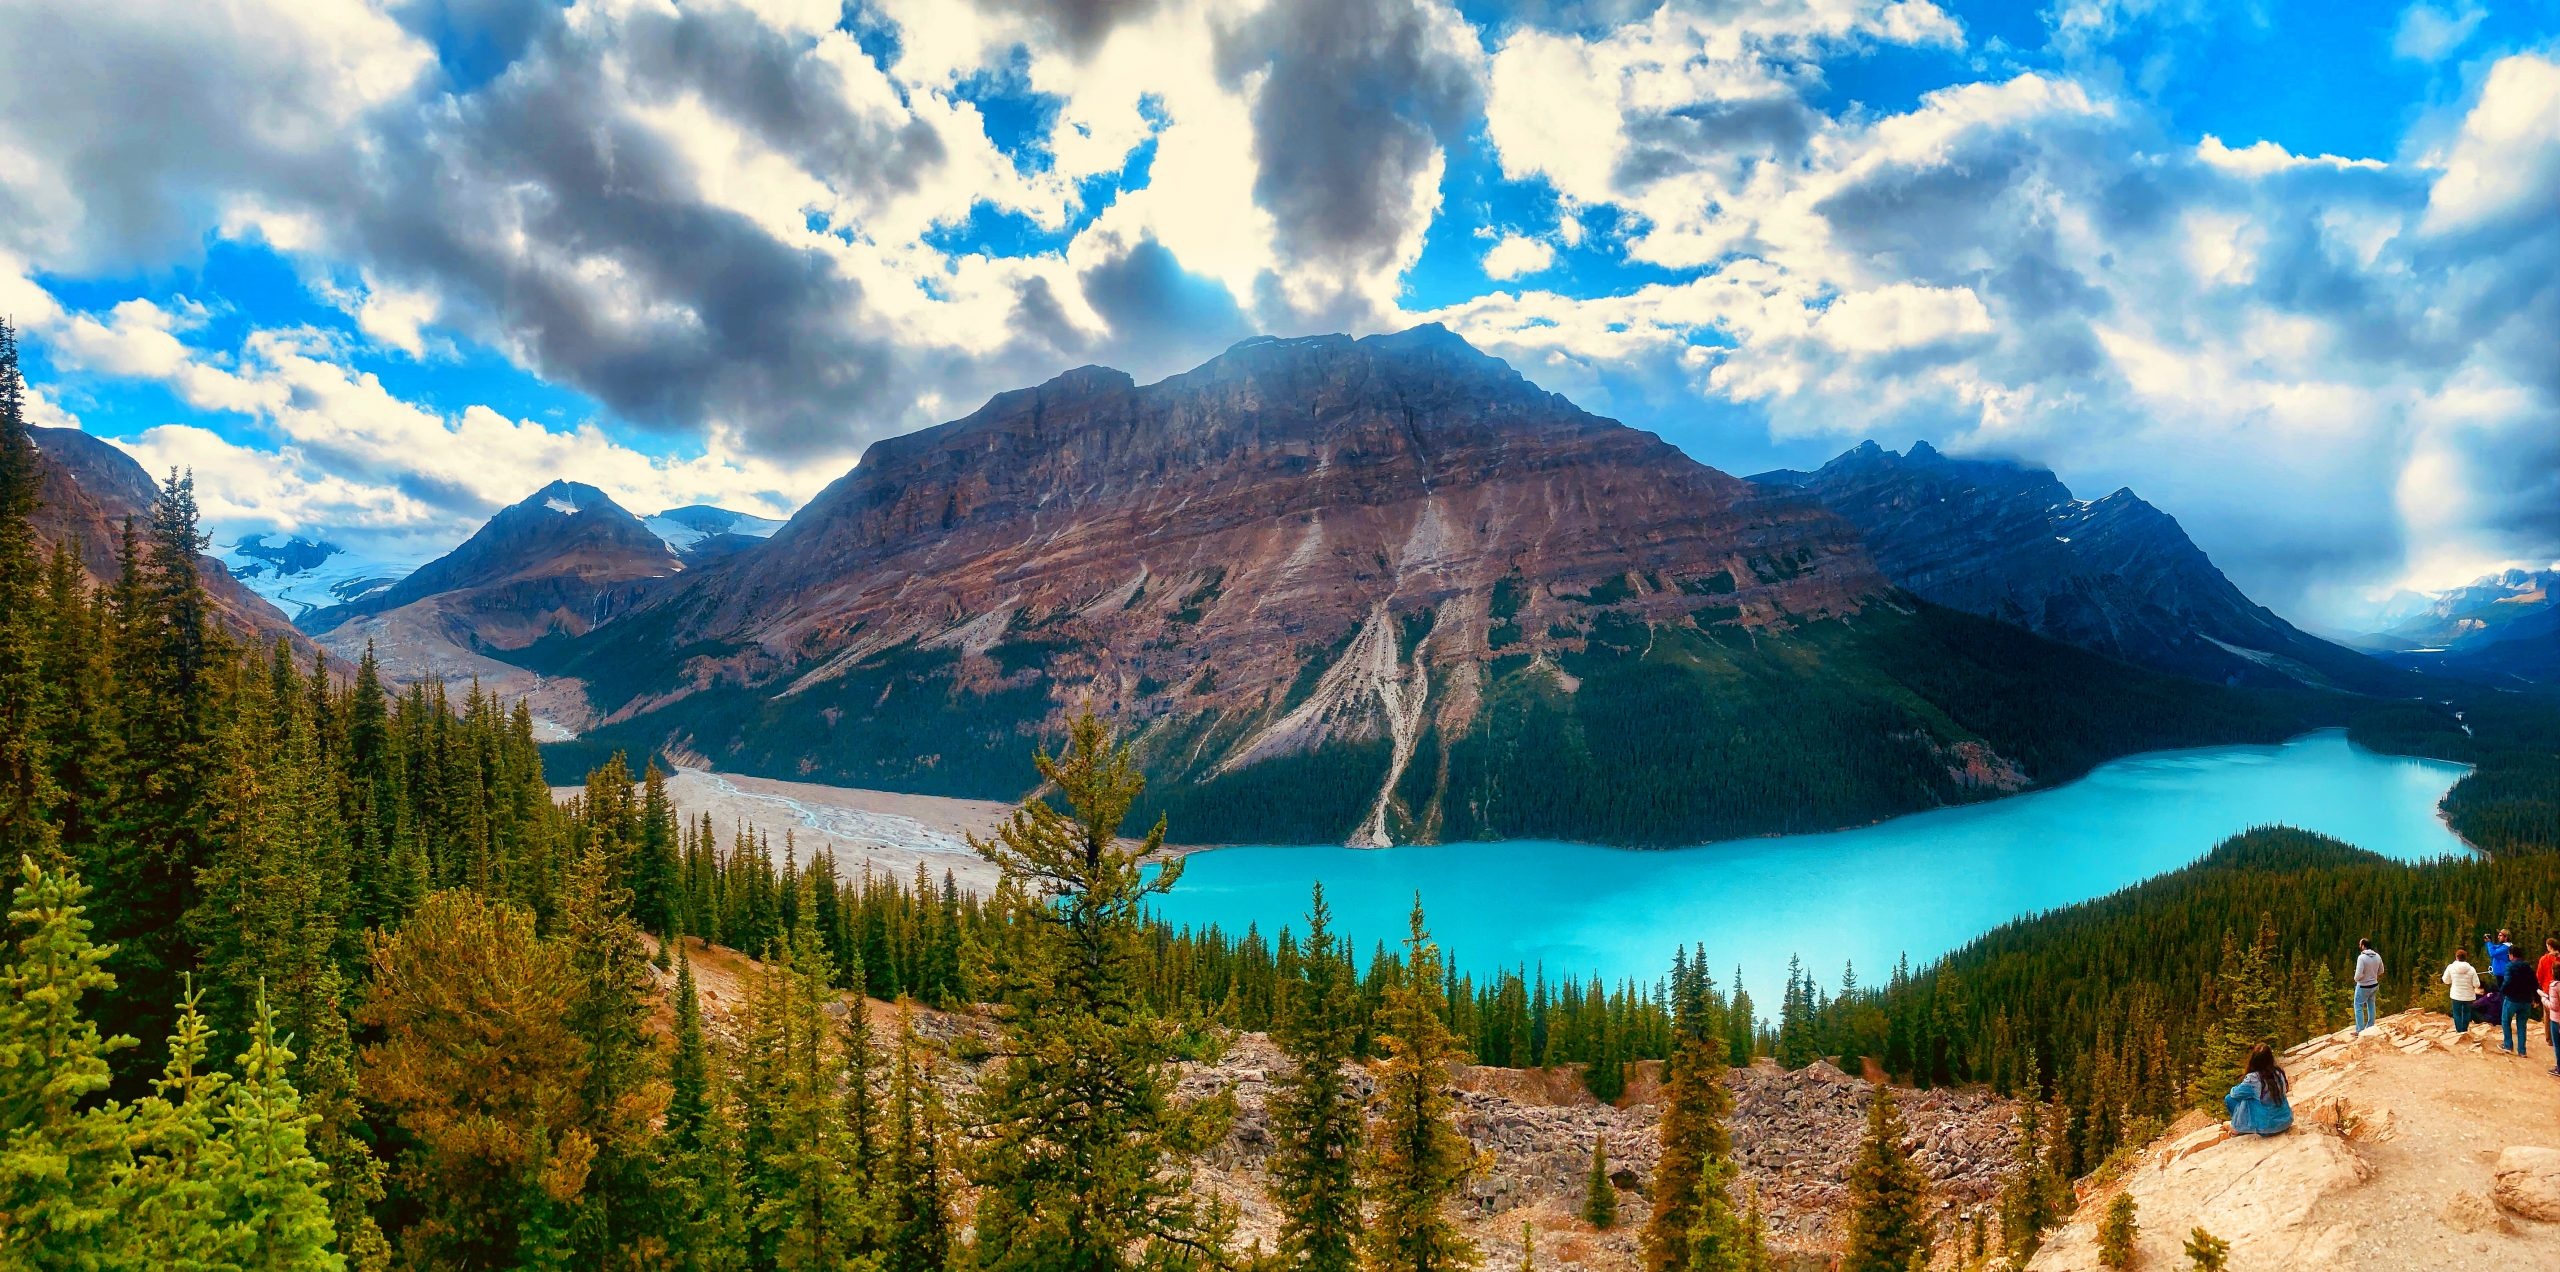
x: 2368, y: 982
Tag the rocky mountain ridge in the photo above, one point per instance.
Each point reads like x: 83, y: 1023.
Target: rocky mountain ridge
x: 89, y: 489
x: 2114, y: 575
x: 1369, y: 590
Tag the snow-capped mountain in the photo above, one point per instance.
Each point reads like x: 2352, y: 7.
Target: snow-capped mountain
x: 699, y: 532
x: 2499, y: 627
x: 300, y: 575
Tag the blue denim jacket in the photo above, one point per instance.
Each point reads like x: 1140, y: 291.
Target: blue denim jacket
x: 2252, y: 1114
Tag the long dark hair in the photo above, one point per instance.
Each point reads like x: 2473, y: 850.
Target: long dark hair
x: 2262, y: 1062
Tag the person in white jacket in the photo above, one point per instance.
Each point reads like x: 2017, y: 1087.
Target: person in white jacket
x: 2368, y: 982
x: 2462, y: 980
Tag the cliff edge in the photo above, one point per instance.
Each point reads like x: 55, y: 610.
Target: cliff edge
x: 2412, y: 1146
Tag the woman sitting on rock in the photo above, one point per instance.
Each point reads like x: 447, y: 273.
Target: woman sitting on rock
x: 2257, y: 1106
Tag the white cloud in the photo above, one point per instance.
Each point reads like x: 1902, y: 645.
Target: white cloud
x: 1901, y: 316
x: 2427, y: 32
x: 2505, y: 163
x: 1516, y: 255
x: 2262, y: 158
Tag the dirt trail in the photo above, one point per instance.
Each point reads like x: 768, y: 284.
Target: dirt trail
x: 2395, y: 1161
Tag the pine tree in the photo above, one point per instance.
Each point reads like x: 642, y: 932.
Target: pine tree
x: 1315, y: 1116
x: 2116, y: 1234
x: 1888, y: 1207
x: 1416, y: 1159
x: 620, y: 1218
x: 1694, y: 1224
x: 915, y: 1176
x: 276, y: 1189
x: 26, y: 788
x: 479, y: 1068
x: 809, y: 1207
x: 1528, y: 1248
x: 1084, y: 1164
x: 168, y: 653
x: 57, y: 1158
x: 656, y: 885
x: 1599, y: 1194
x: 2207, y: 1252
x: 699, y: 1163
x: 1740, y: 1040
x: 2250, y: 1013
x: 2026, y: 1195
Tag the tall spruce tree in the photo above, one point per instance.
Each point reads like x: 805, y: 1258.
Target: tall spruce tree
x: 1417, y: 1160
x: 26, y: 794
x: 169, y: 661
x: 1315, y: 1115
x: 59, y: 1153
x: 699, y: 1164
x: 1599, y: 1192
x: 1084, y: 1164
x: 621, y: 1218
x: 915, y: 1173
x: 1888, y: 1207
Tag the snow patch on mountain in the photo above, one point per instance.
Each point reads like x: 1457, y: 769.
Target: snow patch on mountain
x: 685, y: 528
x: 298, y: 574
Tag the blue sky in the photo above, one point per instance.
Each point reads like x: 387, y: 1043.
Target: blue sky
x: 372, y: 270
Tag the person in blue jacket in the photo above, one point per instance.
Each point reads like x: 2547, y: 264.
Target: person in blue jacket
x: 2257, y: 1105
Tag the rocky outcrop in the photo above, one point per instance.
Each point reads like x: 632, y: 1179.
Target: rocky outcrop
x: 88, y: 490
x: 1795, y: 1134
x: 2115, y: 575
x: 2413, y: 1147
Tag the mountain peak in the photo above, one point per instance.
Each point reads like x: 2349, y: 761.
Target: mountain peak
x: 568, y: 497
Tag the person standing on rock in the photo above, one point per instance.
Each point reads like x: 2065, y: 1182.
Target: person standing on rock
x: 2368, y: 982
x: 2462, y: 981
x: 2501, y: 955
x: 2520, y: 994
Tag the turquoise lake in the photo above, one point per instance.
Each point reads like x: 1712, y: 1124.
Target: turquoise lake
x: 1919, y: 885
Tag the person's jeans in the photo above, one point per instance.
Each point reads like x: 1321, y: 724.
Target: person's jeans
x: 2461, y: 1016
x: 2514, y: 1019
x: 2551, y: 1034
x: 2364, y: 1006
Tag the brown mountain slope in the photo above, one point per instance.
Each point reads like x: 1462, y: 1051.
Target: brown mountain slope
x: 1369, y: 589
x: 89, y: 488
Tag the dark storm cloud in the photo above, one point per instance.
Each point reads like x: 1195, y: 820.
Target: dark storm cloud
x: 579, y: 240
x: 1079, y: 26
x: 1176, y: 318
x: 1718, y: 135
x: 1358, y: 97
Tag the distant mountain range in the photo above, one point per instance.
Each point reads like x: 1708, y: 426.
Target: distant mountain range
x: 1372, y: 590
x: 2498, y: 628
x: 2114, y: 575
x: 1377, y: 589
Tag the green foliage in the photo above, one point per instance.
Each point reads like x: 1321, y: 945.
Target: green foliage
x: 916, y: 1177
x: 1416, y: 1159
x: 2116, y: 1234
x: 1085, y: 1160
x: 1888, y: 1204
x: 1599, y: 1193
x: 2207, y: 1252
x: 1315, y: 1114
